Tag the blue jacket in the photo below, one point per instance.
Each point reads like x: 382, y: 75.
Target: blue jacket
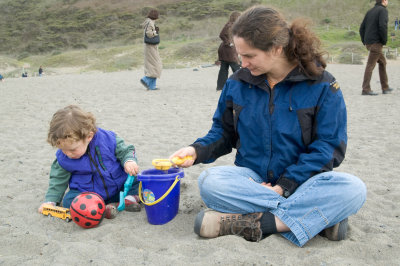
x: 287, y: 134
x: 101, y: 172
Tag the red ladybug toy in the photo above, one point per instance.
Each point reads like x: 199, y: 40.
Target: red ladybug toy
x: 87, y: 209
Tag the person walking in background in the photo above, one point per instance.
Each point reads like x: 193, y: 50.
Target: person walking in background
x: 227, y: 54
x: 286, y: 117
x: 1, y: 78
x: 40, y: 71
x: 396, y: 23
x: 373, y: 32
x: 152, y: 60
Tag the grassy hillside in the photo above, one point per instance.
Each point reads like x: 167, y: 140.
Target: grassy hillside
x: 107, y: 35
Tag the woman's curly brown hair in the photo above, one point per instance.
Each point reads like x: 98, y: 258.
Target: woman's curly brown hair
x: 265, y: 28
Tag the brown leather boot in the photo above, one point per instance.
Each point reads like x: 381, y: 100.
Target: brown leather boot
x: 210, y: 224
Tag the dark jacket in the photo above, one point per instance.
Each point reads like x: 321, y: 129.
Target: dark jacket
x: 226, y: 51
x: 287, y: 134
x: 374, y: 27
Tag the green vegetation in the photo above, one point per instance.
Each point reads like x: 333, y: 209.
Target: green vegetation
x: 100, y: 35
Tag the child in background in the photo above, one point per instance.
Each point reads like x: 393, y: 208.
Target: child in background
x: 89, y: 159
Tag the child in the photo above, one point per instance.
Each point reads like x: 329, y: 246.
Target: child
x: 89, y: 159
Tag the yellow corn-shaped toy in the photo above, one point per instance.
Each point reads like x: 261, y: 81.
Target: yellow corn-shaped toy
x: 165, y: 164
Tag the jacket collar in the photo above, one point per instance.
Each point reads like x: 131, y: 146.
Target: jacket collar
x: 380, y: 4
x: 296, y: 75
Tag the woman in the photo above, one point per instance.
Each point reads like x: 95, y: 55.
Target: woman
x: 227, y: 55
x: 152, y: 60
x: 286, y: 117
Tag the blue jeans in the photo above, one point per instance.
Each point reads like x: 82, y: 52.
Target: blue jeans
x: 321, y: 202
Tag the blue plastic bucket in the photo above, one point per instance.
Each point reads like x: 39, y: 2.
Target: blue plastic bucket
x: 160, y: 190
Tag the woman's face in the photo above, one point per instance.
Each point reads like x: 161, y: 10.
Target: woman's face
x: 257, y: 61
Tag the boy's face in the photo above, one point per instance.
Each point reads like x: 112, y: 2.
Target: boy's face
x: 75, y: 149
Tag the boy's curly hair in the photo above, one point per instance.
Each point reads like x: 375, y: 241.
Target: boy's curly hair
x: 70, y: 123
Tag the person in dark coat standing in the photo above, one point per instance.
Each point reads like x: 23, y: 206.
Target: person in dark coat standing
x: 226, y: 52
x: 373, y: 32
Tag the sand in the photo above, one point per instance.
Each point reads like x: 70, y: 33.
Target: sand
x: 158, y: 123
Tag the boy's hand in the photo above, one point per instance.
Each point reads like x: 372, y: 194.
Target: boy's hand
x: 40, y: 210
x: 131, y: 168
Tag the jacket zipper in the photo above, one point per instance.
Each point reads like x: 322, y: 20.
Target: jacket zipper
x: 271, y: 107
x: 99, y: 172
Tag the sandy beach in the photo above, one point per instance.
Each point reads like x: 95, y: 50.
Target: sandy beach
x: 158, y: 123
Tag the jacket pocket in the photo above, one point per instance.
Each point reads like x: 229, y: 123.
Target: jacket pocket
x: 236, y: 109
x: 83, y: 182
x: 307, y: 122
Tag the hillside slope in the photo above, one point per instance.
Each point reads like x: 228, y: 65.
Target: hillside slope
x: 107, y: 35
x: 47, y: 25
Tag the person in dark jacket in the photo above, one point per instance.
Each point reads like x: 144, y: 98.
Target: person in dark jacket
x: 227, y: 55
x: 373, y: 32
x: 89, y: 159
x: 286, y: 118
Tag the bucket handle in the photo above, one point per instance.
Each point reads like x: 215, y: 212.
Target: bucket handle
x: 162, y: 197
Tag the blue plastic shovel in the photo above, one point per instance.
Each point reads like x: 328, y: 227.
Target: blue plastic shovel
x: 122, y: 195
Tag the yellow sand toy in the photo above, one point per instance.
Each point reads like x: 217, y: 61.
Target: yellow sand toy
x: 165, y: 164
x: 56, y: 211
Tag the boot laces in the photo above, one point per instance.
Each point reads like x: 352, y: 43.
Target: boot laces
x: 247, y: 226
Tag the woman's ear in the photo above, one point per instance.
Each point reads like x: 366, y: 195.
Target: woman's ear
x: 277, y: 50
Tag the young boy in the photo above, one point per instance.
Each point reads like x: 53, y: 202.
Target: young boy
x: 89, y: 159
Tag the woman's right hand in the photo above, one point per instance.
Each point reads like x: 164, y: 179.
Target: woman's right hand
x: 182, y: 153
x: 40, y: 210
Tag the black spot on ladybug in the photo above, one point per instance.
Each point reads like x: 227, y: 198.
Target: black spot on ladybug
x: 88, y: 196
x: 93, y: 212
x: 76, y: 219
x: 100, y: 205
x: 82, y: 206
x: 88, y: 224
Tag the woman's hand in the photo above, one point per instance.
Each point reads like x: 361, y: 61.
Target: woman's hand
x: 131, y: 168
x: 182, y: 153
x: 277, y: 188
